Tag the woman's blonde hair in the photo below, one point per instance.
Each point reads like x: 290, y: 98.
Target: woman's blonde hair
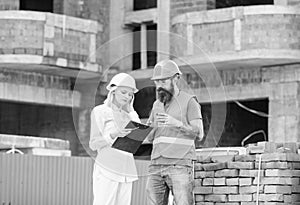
x: 109, y: 100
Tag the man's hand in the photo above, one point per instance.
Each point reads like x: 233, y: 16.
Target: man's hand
x: 195, y: 128
x: 164, y: 119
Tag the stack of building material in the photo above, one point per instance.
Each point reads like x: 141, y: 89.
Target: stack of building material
x: 272, y: 147
x: 34, y: 145
x: 268, y: 178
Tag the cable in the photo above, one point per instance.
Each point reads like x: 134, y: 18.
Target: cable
x: 254, y: 133
x: 262, y: 114
x: 258, y: 180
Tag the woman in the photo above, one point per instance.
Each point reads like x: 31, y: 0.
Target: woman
x: 114, y: 170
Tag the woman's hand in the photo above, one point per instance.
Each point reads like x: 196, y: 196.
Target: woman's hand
x: 120, y: 133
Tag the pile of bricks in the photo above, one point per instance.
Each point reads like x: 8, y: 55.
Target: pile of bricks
x: 266, y: 177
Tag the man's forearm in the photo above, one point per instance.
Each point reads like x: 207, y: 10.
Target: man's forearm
x: 191, y: 130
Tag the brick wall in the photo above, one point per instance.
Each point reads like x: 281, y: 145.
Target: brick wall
x: 214, y: 37
x: 234, y: 29
x: 211, y: 4
x: 34, y: 79
x: 183, y: 6
x: 9, y: 5
x: 261, y: 34
x: 52, y: 36
x: 234, y: 179
x: 58, y: 6
x: 93, y: 9
x: 21, y: 36
x: 293, y: 2
x: 177, y: 49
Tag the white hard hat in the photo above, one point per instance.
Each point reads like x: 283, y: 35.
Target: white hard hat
x: 122, y: 79
x: 165, y: 69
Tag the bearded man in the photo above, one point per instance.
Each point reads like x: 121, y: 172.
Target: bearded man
x: 177, y: 121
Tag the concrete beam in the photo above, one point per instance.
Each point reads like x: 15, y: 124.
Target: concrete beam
x: 138, y: 17
x: 39, y: 95
x: 7, y: 141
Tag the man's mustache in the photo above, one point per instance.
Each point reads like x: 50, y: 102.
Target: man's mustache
x: 162, y: 90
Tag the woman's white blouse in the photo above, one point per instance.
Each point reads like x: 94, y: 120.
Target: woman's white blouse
x: 115, y: 164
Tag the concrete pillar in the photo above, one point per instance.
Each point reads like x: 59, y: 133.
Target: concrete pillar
x: 284, y: 113
x: 163, y: 29
x: 120, y: 44
x: 143, y: 46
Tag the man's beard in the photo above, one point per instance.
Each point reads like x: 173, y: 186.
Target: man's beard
x: 164, y: 95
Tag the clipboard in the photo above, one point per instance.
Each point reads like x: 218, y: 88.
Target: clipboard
x: 131, y: 142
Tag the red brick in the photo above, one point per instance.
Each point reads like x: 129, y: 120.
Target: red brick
x: 232, y: 181
x: 222, y: 158
x: 296, y: 165
x: 240, y: 197
x: 30, y: 51
x: 287, y: 198
x: 256, y: 150
x: 269, y: 197
x: 39, y: 52
x: 203, y: 159
x: 199, y: 198
x: 274, y: 165
x: 295, y: 197
x: 227, y: 173
x: 270, y: 189
x: 277, y: 180
x: 269, y: 147
x: 283, y: 173
x: 245, y: 158
x: 249, y: 203
x: 245, y: 181
x: 296, y: 189
x: 293, y: 157
x: 203, y: 190
x: 204, y: 174
x: 225, y: 190
x: 219, y: 181
x: 205, y: 203
x: 19, y: 50
x: 216, y: 198
x: 198, y: 167
x: 208, y: 181
x: 250, y: 189
x: 251, y: 173
x: 272, y: 157
x: 7, y: 51
x: 214, y: 166
x: 198, y: 182
x: 240, y: 165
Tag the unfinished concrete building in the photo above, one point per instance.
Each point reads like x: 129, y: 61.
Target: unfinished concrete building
x: 252, y: 45
x: 43, y: 46
x: 240, y: 57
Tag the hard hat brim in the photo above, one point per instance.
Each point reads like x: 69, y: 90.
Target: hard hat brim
x: 164, y: 77
x: 111, y: 88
